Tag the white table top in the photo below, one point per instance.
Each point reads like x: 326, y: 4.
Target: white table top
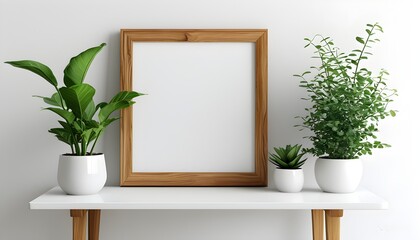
x: 208, y: 198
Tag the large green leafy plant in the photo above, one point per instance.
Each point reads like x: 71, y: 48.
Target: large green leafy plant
x: 74, y: 102
x: 347, y: 100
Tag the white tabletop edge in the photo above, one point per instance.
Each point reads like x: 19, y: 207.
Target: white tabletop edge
x: 266, y: 199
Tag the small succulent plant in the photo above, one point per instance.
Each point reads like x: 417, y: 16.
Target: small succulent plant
x: 287, y: 158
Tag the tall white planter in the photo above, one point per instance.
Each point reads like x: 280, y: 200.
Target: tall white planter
x: 81, y: 175
x: 338, y: 175
x: 289, y: 180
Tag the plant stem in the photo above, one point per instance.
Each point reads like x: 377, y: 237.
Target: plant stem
x: 76, y: 145
x: 62, y: 106
x: 319, y: 53
x: 83, y: 147
x: 361, y: 53
x: 94, y: 143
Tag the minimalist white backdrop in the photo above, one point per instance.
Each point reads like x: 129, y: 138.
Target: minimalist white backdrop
x: 53, y: 31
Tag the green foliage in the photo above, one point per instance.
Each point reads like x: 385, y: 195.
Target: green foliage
x: 74, y: 102
x: 287, y: 158
x: 78, y: 66
x: 347, y: 100
x: 37, y: 68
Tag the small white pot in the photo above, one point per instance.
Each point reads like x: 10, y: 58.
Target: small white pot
x: 81, y: 175
x: 338, y: 175
x: 289, y: 180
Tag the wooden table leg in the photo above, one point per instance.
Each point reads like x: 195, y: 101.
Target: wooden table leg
x: 332, y: 220
x: 79, y: 224
x: 317, y: 224
x: 94, y: 222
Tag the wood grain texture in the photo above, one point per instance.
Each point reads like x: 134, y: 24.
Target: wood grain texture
x: 317, y: 224
x: 126, y: 114
x: 79, y: 224
x: 94, y: 221
x: 257, y: 178
x: 261, y: 115
x: 332, y: 222
x: 334, y: 212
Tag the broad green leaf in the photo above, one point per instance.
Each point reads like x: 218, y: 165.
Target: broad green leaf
x: 108, y: 121
x: 86, y: 135
x: 66, y: 126
x: 57, y: 98
x: 92, y: 124
x: 125, y: 95
x: 111, y: 107
x: 49, y: 101
x: 62, y: 135
x: 95, y: 128
x: 100, y: 105
x: 89, y: 111
x: 78, y: 97
x: 78, y: 66
x: 68, y: 116
x: 54, y: 100
x: 36, y: 67
x: 77, y: 126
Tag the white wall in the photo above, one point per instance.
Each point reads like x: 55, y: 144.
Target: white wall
x: 52, y: 31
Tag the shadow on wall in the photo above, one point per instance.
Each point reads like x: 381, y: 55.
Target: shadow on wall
x: 206, y: 225
x: 110, y: 144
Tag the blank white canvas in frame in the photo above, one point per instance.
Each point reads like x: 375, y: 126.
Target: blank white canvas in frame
x: 199, y: 111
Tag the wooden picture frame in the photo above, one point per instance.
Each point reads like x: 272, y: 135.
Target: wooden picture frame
x: 258, y: 37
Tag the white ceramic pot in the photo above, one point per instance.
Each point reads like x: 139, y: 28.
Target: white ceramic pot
x: 289, y: 180
x: 338, y: 175
x: 81, y: 175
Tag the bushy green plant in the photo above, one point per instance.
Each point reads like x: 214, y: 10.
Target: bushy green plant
x: 74, y: 102
x: 287, y: 158
x: 347, y: 100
